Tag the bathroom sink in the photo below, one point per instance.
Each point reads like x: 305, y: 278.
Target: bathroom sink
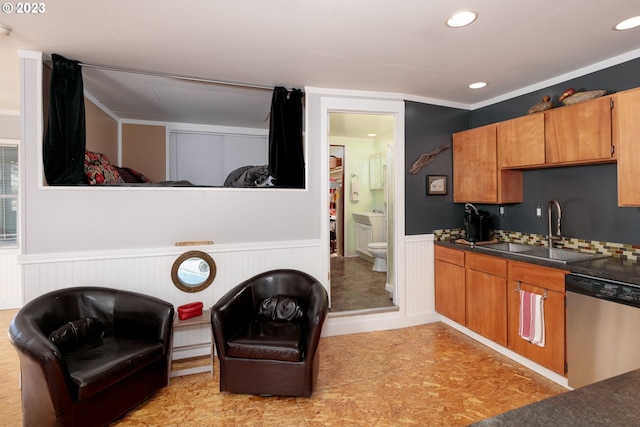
x: 367, y: 217
x: 563, y: 256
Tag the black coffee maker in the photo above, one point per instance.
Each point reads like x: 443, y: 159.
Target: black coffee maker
x: 477, y: 224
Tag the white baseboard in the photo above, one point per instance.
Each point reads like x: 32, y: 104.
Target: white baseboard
x: 370, y: 322
x: 547, y: 373
x: 10, y: 304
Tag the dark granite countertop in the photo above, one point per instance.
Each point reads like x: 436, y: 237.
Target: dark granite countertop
x: 612, y: 402
x: 606, y: 268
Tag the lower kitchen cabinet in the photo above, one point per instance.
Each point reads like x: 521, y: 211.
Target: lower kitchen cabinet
x: 542, y: 281
x: 486, y: 296
x: 481, y: 292
x: 449, y: 283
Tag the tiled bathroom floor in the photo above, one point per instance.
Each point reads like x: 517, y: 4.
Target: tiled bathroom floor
x: 355, y: 286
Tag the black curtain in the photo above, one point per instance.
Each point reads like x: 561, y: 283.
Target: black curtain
x: 65, y: 139
x: 286, y: 157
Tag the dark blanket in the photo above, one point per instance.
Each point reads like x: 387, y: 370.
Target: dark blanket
x: 250, y: 176
x: 183, y: 183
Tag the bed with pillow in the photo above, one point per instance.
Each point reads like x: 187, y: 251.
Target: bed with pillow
x: 99, y: 170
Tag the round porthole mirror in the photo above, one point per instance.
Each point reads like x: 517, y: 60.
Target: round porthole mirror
x: 193, y: 271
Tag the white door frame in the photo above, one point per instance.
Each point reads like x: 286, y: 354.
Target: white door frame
x: 365, y: 105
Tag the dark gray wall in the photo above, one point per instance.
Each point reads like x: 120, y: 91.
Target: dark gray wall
x: 428, y: 127
x: 587, y: 194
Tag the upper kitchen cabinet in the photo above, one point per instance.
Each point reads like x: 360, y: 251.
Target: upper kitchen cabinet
x: 521, y: 142
x: 579, y: 133
x: 626, y: 135
x: 476, y: 175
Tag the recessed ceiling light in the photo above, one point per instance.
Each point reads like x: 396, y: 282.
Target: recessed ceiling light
x: 462, y: 18
x: 627, y: 24
x: 477, y: 85
x: 371, y: 134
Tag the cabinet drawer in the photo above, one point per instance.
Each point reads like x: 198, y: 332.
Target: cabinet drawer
x: 549, y: 278
x: 487, y: 264
x: 449, y: 255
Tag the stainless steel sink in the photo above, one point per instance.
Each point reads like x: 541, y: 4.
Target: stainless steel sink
x: 563, y: 256
x: 509, y: 247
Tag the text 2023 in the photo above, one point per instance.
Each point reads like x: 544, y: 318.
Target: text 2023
x: 30, y: 8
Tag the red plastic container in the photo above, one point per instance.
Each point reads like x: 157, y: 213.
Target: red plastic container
x: 192, y: 309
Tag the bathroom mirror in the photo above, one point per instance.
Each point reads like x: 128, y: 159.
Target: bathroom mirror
x: 193, y: 271
x: 376, y: 178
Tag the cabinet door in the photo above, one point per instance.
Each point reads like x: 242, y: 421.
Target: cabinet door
x: 363, y: 238
x: 521, y: 142
x: 476, y: 177
x: 450, y: 291
x: 486, y: 305
x: 627, y: 129
x: 475, y: 165
x: 579, y: 133
x: 552, y: 355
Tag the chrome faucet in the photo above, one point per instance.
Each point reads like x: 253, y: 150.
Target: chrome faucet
x: 557, y: 235
x: 469, y: 206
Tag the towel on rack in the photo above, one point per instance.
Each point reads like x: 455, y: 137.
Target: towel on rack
x: 355, y: 192
x: 532, y: 318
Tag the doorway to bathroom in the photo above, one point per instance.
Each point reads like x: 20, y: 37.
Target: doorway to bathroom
x: 361, y: 158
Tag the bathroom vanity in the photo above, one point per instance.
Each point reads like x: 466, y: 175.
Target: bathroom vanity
x: 370, y: 227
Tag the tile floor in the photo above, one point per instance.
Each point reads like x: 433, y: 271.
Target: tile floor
x: 355, y: 286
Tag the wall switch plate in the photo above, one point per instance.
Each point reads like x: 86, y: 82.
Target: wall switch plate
x: 539, y: 212
x: 501, y: 210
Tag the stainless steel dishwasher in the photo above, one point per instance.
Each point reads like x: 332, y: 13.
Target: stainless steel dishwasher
x: 603, y: 321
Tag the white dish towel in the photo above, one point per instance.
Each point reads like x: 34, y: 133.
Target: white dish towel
x: 532, y: 318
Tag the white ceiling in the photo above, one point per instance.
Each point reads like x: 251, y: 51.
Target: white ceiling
x: 372, y: 45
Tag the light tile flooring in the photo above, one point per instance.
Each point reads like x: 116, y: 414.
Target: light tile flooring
x: 428, y: 375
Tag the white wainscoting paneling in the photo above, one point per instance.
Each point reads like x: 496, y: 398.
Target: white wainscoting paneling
x: 419, y: 280
x: 10, y: 279
x: 149, y: 272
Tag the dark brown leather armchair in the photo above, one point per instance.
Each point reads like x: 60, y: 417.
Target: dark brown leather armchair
x: 111, y: 352
x: 267, y: 331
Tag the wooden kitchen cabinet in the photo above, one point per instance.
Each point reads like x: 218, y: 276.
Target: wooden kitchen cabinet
x: 486, y: 298
x: 521, y: 142
x: 481, y: 292
x: 539, y: 280
x: 626, y: 134
x: 476, y: 175
x: 449, y: 283
x: 579, y: 133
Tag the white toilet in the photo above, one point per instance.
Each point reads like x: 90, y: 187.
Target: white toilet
x: 379, y: 251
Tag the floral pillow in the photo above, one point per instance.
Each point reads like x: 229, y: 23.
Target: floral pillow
x: 137, y: 176
x: 98, y: 169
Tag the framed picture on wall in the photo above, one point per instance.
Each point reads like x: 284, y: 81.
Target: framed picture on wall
x: 436, y: 184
